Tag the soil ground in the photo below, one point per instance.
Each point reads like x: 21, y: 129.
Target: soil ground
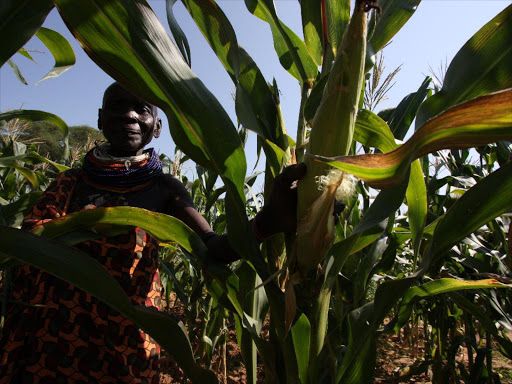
x: 395, y: 357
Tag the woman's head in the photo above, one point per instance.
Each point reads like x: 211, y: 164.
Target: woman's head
x: 128, y: 122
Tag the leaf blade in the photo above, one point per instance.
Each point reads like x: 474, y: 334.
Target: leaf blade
x: 61, y: 50
x: 480, y: 121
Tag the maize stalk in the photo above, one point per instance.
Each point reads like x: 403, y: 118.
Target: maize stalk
x: 331, y: 135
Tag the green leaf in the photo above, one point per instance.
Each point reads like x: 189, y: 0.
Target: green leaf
x: 17, y: 71
x: 359, y: 360
x: 34, y: 115
x: 179, y: 36
x: 337, y: 16
x: 315, y: 98
x: 290, y: 49
x: 372, y: 131
x: 474, y: 209
x: 480, y: 121
x: 77, y: 267
x: 311, y: 12
x: 405, y: 113
x: 25, y: 53
x: 20, y: 20
x: 373, y: 222
x: 480, y: 67
x: 31, y: 158
x: 393, y: 17
x: 13, y: 213
x: 485, y: 321
x: 127, y: 40
x: 164, y: 228
x: 255, y: 305
x: 61, y: 50
x: 364, y: 321
x: 301, y: 335
x: 255, y: 104
x: 437, y: 287
x: 27, y: 174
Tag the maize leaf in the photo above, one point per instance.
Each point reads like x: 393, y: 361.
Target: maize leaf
x: 177, y: 33
x: 19, y: 21
x: 301, y: 335
x: 480, y: 121
x: 77, y: 267
x: 337, y: 15
x: 473, y: 210
x: 392, y: 18
x: 290, y: 49
x: 31, y: 158
x: 480, y: 67
x: 437, y: 287
x: 254, y: 102
x: 12, y: 214
x: 372, y: 131
x: 17, y: 71
x: 33, y: 115
x: 61, y: 50
x: 311, y: 13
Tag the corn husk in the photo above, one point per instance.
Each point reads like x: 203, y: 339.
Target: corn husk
x: 331, y: 135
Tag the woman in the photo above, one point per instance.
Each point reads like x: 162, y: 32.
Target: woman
x: 64, y: 335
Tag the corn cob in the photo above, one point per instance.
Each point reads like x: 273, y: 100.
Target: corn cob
x: 331, y: 135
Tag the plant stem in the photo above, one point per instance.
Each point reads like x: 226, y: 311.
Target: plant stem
x: 318, y: 328
x: 301, y: 126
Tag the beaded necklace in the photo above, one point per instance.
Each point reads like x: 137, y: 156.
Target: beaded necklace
x: 120, y: 174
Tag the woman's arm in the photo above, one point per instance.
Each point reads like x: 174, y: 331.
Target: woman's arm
x: 278, y: 215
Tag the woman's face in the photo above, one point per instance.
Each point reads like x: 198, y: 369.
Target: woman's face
x: 128, y: 122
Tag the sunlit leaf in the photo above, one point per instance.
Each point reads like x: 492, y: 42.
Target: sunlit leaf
x: 372, y: 131
x: 481, y: 66
x: 405, y: 113
x: 61, y: 50
x: 31, y: 158
x: 392, y: 18
x: 33, y: 115
x: 17, y: 71
x: 337, y: 15
x: 255, y: 105
x: 480, y: 121
x: 437, y: 287
x: 25, y: 53
x: 19, y: 21
x: 77, y: 267
x: 290, y: 49
x: 311, y: 12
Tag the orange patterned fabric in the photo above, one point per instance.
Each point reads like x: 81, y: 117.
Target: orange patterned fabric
x: 56, y: 333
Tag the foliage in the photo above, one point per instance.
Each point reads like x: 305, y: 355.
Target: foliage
x: 430, y: 246
x: 48, y: 139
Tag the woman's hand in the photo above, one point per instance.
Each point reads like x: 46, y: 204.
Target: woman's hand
x: 280, y: 212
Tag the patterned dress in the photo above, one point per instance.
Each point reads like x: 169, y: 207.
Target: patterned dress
x: 56, y: 333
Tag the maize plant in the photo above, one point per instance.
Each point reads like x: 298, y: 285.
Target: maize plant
x: 313, y: 287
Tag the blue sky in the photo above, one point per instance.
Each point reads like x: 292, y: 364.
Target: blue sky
x: 432, y: 36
